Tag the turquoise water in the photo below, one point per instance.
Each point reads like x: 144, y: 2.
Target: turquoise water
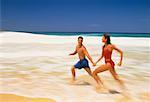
x: 147, y: 35
x: 112, y: 34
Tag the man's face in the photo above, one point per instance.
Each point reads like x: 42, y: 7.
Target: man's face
x: 80, y: 41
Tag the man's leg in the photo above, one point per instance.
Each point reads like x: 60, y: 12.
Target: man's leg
x: 89, y: 71
x: 73, y: 73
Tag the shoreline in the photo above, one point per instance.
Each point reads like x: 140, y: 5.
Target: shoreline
x: 7, y: 37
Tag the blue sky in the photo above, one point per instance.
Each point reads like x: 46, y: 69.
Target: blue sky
x: 76, y: 15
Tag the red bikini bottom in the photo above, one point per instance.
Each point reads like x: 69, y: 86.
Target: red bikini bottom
x: 111, y: 62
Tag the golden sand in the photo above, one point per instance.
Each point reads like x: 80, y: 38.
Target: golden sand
x: 145, y: 96
x: 16, y: 98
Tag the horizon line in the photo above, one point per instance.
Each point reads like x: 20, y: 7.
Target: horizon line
x: 74, y: 32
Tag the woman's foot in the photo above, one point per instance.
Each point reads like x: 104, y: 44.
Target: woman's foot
x: 101, y: 89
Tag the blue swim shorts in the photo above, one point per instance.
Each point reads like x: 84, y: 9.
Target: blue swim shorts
x: 82, y: 64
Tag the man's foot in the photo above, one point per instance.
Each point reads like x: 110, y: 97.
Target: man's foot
x: 72, y: 82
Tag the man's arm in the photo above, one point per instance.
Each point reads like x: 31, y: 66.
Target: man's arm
x: 121, y: 54
x: 74, y: 52
x: 89, y: 57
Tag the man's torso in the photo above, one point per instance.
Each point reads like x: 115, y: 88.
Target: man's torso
x: 80, y: 51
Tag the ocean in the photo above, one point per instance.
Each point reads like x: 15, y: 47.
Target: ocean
x: 112, y: 34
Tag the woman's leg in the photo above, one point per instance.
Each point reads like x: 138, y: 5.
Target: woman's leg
x: 116, y: 77
x: 98, y: 70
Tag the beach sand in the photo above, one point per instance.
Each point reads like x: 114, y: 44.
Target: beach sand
x: 16, y: 98
x: 37, y: 68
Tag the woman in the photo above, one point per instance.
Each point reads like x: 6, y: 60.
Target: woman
x: 107, y: 50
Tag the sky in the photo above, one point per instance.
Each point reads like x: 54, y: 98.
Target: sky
x: 76, y: 15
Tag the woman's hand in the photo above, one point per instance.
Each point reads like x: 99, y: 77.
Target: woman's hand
x: 120, y: 63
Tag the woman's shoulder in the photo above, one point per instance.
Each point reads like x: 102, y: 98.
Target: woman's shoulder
x: 112, y: 45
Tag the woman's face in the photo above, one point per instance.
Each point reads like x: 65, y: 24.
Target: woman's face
x: 103, y: 39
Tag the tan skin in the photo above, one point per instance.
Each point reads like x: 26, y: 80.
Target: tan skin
x: 82, y: 53
x: 108, y: 66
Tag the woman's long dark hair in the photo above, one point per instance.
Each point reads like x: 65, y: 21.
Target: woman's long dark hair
x: 108, y: 38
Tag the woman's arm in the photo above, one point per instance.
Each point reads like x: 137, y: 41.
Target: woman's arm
x: 100, y: 57
x: 121, y: 54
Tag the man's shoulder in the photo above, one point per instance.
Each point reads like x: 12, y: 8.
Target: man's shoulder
x: 77, y: 46
x: 83, y: 47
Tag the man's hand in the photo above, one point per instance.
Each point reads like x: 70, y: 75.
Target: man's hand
x: 70, y: 54
x: 94, y: 64
x: 73, y: 53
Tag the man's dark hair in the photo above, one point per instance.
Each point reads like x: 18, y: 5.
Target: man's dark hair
x: 80, y: 37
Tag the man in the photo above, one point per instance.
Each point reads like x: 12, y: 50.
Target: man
x: 83, y: 62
